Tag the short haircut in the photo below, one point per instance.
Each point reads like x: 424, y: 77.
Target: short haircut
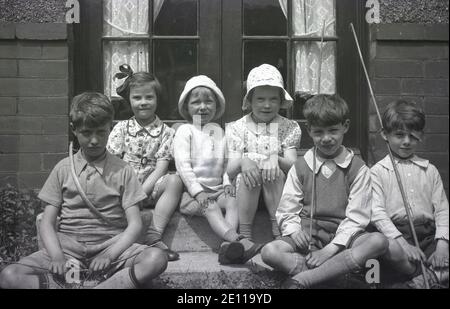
x: 91, y: 109
x: 401, y: 115
x: 139, y: 79
x: 188, y: 97
x: 325, y: 110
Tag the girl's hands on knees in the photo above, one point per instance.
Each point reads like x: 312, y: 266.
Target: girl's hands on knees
x: 413, y: 253
x: 58, y: 266
x: 250, y: 173
x: 230, y: 191
x: 439, y: 258
x: 270, y: 170
x: 301, y: 239
x: 101, y: 262
x: 317, y: 258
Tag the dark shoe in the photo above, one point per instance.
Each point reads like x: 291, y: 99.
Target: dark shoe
x: 250, y: 253
x: 230, y: 252
x: 172, y: 255
x: 292, y: 284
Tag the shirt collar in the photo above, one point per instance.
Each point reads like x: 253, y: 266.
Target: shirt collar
x: 154, y: 128
x: 261, y: 128
x: 343, y: 159
x: 81, y: 163
x: 386, y: 162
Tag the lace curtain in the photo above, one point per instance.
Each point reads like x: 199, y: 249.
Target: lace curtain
x: 307, y: 20
x: 125, y: 18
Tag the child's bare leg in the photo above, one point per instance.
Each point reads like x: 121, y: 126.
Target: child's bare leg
x: 365, y: 247
x: 20, y: 277
x: 149, y: 264
x: 247, y: 199
x: 171, y: 189
x: 369, y: 246
x: 397, y: 258
x: 231, y: 211
x: 218, y: 223
x: 272, y: 192
x: 281, y: 256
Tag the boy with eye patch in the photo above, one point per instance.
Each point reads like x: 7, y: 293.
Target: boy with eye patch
x: 403, y: 129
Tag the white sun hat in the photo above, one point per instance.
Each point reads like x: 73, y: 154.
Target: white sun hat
x: 201, y: 81
x: 266, y: 75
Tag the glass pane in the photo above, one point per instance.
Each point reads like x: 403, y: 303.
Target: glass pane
x: 265, y: 17
x: 117, y: 53
x: 308, y: 17
x: 175, y: 63
x: 125, y: 17
x: 259, y: 52
x: 306, y: 72
x: 175, y: 17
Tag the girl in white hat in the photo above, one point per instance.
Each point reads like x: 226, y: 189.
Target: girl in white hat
x: 200, y: 158
x: 262, y: 146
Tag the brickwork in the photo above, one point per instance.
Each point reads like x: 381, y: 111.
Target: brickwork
x: 410, y: 61
x: 34, y: 101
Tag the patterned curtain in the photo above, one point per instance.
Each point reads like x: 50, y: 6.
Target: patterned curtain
x: 125, y: 18
x: 308, y: 17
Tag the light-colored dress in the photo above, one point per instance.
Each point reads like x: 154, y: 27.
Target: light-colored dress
x: 258, y: 142
x: 142, y: 147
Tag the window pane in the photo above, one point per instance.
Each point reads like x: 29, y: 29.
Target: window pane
x: 117, y: 53
x: 308, y: 17
x: 306, y: 72
x: 259, y: 52
x: 175, y: 17
x: 125, y: 17
x: 264, y: 17
x: 175, y: 63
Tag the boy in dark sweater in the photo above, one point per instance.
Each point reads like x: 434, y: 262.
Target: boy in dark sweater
x: 338, y: 243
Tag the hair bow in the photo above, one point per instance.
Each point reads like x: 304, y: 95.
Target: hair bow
x: 125, y: 72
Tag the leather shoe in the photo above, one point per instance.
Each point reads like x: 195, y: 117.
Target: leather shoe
x: 292, y: 284
x: 172, y: 255
x: 250, y: 253
x: 230, y: 252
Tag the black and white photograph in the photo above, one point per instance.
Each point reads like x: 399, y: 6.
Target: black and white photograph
x: 225, y: 150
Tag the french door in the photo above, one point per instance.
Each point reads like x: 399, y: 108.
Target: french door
x: 224, y: 39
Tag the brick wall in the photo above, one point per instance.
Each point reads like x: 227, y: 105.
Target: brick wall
x: 34, y: 92
x: 411, y: 61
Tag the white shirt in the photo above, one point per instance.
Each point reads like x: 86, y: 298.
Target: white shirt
x: 358, y: 210
x: 424, y: 191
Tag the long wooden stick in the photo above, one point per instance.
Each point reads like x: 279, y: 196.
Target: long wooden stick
x: 397, y: 174
x: 313, y: 199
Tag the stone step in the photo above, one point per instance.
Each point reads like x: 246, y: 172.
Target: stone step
x: 201, y: 270
x: 194, y: 234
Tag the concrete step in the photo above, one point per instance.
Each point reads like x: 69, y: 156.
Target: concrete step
x: 201, y: 270
x: 194, y: 234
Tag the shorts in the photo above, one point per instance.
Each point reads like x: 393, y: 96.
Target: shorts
x: 83, y: 255
x: 190, y: 207
x: 321, y: 237
x: 425, y: 232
